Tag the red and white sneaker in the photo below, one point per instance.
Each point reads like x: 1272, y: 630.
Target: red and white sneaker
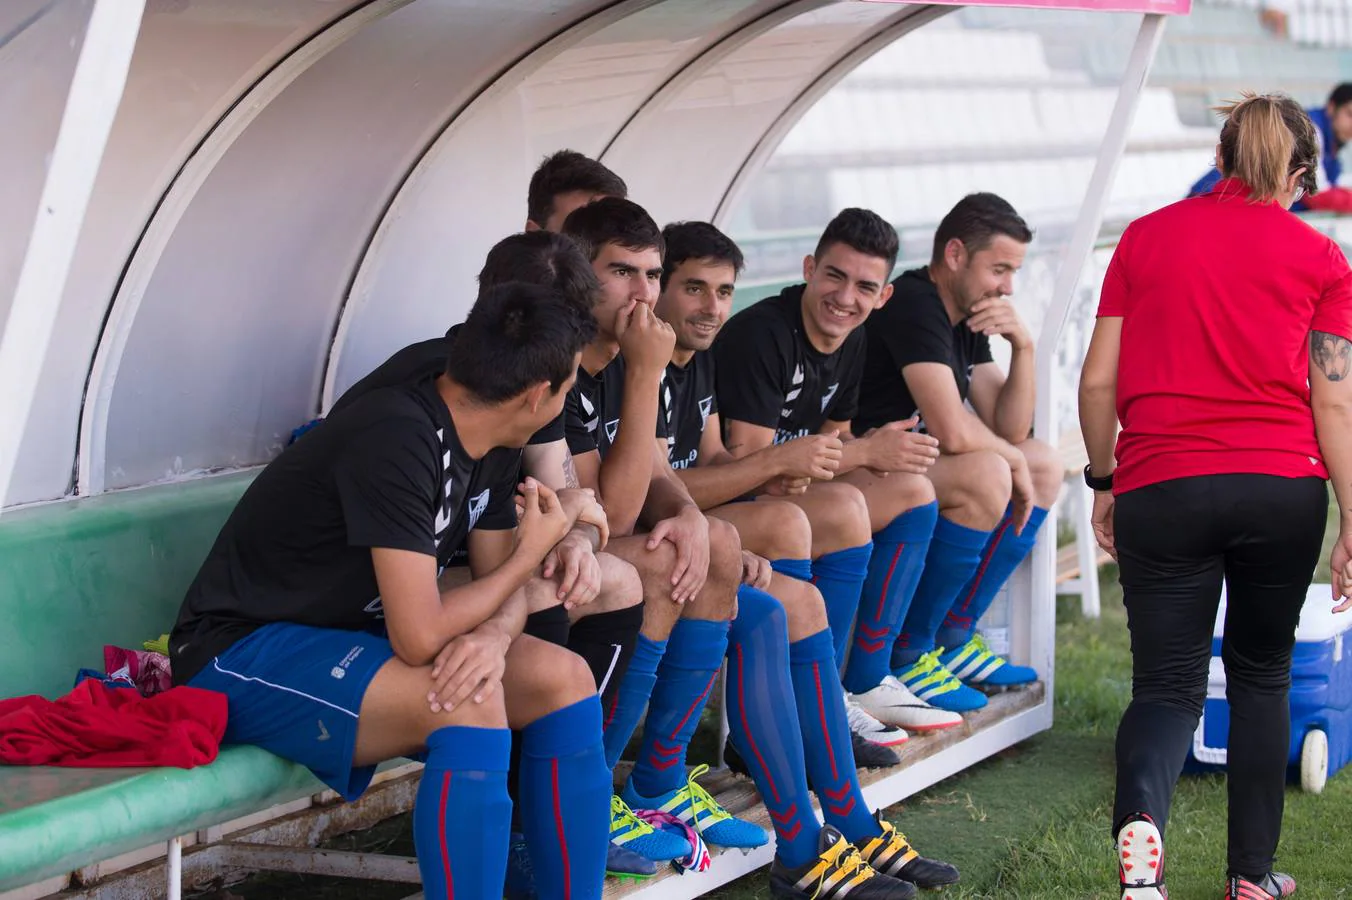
x: 1274, y: 884
x: 1140, y: 859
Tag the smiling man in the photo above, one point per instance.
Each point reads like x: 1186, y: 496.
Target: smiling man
x: 789, y: 367
x: 929, y: 355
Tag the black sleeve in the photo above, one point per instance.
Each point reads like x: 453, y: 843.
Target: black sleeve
x: 846, y: 404
x: 500, y: 476
x: 387, y: 480
x: 751, y: 379
x: 550, y: 433
x: 913, y: 333
x: 578, y: 427
x: 982, y: 352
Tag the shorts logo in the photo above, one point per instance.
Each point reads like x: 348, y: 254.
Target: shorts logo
x: 323, y: 732
x: 612, y: 428
x: 375, y: 608
x: 477, y: 504
x: 340, y: 671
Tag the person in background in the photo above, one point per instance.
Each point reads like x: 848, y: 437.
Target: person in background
x: 1333, y: 129
x: 1229, y: 372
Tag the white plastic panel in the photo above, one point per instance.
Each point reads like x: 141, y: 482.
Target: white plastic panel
x: 575, y: 93
x: 39, y: 43
x: 192, y: 62
x: 685, y: 148
x: 236, y: 310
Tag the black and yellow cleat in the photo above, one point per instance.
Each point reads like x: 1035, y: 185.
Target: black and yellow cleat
x: 837, y: 872
x: 891, y: 854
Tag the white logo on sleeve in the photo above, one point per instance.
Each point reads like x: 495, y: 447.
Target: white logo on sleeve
x: 590, y: 409
x: 705, y: 406
x: 795, y: 388
x: 830, y: 393
x: 477, y: 504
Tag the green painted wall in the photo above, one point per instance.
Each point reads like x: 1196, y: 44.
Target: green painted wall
x: 102, y: 570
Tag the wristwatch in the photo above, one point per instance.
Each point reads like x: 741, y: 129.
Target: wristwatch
x: 1098, y: 484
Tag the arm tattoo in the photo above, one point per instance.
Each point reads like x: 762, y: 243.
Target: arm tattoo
x: 1332, y: 354
x: 569, y: 471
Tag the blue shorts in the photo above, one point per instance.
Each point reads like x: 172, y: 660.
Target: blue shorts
x: 296, y: 690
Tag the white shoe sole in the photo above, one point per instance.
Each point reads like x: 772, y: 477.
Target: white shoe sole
x: 1140, y: 854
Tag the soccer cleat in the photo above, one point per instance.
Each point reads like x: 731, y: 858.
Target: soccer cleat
x: 930, y: 681
x: 1274, y: 884
x: 891, y: 854
x: 626, y: 865
x: 837, y: 871
x: 1140, y: 859
x: 697, y: 808
x: 868, y: 755
x: 974, y: 664
x: 892, y: 704
x: 870, y: 729
x: 520, y: 881
x: 631, y: 833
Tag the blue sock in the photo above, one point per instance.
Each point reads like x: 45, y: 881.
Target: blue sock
x: 954, y: 554
x: 826, y: 737
x: 794, y: 568
x: 565, y: 799
x: 893, y: 573
x: 694, y: 655
x: 1000, y: 557
x: 840, y: 578
x: 462, y: 814
x: 763, y: 721
x: 635, y: 689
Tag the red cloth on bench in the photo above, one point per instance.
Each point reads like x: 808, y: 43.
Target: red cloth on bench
x: 96, y: 726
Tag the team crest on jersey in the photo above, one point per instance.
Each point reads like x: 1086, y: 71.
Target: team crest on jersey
x: 705, y: 406
x: 477, y: 504
x: 612, y: 427
x: 829, y: 395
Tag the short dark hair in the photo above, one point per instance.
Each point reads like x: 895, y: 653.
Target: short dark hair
x: 566, y: 171
x: 862, y: 230
x: 697, y: 240
x: 543, y: 258
x: 518, y: 335
x: 1341, y: 95
x: 613, y: 220
x: 976, y: 220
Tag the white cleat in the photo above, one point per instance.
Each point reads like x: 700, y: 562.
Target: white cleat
x: 892, y: 703
x: 870, y: 729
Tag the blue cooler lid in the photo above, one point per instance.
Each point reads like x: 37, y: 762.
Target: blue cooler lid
x: 1318, y: 621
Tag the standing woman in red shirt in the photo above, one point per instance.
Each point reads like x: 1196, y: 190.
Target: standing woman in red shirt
x: 1224, y: 347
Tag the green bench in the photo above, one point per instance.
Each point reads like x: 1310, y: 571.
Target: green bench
x: 75, y: 576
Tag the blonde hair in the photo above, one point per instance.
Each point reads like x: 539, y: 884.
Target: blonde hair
x: 1267, y: 137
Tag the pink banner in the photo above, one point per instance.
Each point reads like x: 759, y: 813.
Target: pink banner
x: 1163, y: 7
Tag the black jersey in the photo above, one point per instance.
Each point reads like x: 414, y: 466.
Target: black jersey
x: 913, y: 328
x: 591, y: 413
x: 769, y: 374
x: 688, y: 400
x: 387, y: 471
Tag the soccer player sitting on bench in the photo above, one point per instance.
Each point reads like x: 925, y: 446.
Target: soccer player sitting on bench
x: 789, y: 367
x: 319, y: 615
x: 929, y: 354
x: 785, y: 705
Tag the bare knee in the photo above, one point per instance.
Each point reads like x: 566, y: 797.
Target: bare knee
x: 1047, y: 469
x: 396, y: 716
x: 839, y: 517
x: 781, y: 531
x: 541, y: 678
x: 718, y: 598
x: 975, y: 488
x: 894, y: 495
x: 802, y: 603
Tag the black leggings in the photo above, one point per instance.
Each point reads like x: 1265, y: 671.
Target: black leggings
x: 1176, y: 540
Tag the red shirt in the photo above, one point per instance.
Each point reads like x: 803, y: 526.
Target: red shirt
x: 1217, y: 297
